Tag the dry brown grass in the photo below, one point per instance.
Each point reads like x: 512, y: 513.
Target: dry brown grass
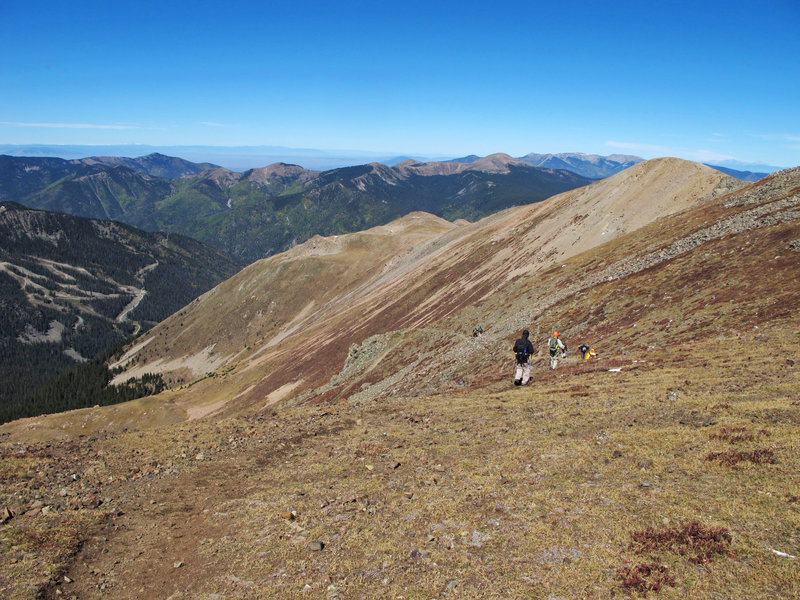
x: 525, y: 492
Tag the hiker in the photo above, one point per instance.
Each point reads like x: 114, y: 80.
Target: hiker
x: 523, y: 350
x: 587, y: 352
x: 558, y: 349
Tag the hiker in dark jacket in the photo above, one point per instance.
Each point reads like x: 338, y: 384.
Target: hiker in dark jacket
x: 523, y: 350
x: 587, y: 352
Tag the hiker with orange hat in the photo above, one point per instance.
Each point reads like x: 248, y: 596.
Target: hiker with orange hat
x: 558, y: 349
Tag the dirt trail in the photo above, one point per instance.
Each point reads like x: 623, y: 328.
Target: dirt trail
x: 168, y: 537
x: 150, y: 551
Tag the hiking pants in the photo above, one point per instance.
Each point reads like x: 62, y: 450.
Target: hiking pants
x: 554, y: 360
x: 523, y: 372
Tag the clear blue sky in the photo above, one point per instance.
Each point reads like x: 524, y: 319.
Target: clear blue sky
x: 702, y: 80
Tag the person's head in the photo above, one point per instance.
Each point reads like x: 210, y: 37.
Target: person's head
x: 525, y: 333
x: 555, y: 334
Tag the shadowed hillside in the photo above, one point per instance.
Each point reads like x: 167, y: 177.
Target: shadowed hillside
x: 357, y: 441
x: 71, y: 288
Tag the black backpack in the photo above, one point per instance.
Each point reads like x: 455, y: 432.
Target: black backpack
x: 522, y: 355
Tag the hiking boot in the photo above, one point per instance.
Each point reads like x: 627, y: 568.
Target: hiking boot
x: 518, y: 382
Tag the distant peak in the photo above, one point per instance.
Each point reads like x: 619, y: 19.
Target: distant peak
x: 409, y: 162
x: 496, y: 163
x: 466, y: 159
x: 279, y: 168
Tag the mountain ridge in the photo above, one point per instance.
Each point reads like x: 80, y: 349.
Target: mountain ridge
x: 743, y: 175
x: 155, y: 164
x: 263, y: 211
x: 423, y: 288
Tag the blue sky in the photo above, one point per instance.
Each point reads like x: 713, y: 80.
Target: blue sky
x: 708, y: 81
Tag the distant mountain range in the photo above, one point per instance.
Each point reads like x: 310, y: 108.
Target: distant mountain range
x: 71, y: 287
x: 236, y: 158
x: 588, y: 165
x: 157, y: 165
x: 263, y: 211
x: 743, y: 175
x: 243, y: 158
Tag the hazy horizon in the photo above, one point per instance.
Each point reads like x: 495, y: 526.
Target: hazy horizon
x: 241, y: 158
